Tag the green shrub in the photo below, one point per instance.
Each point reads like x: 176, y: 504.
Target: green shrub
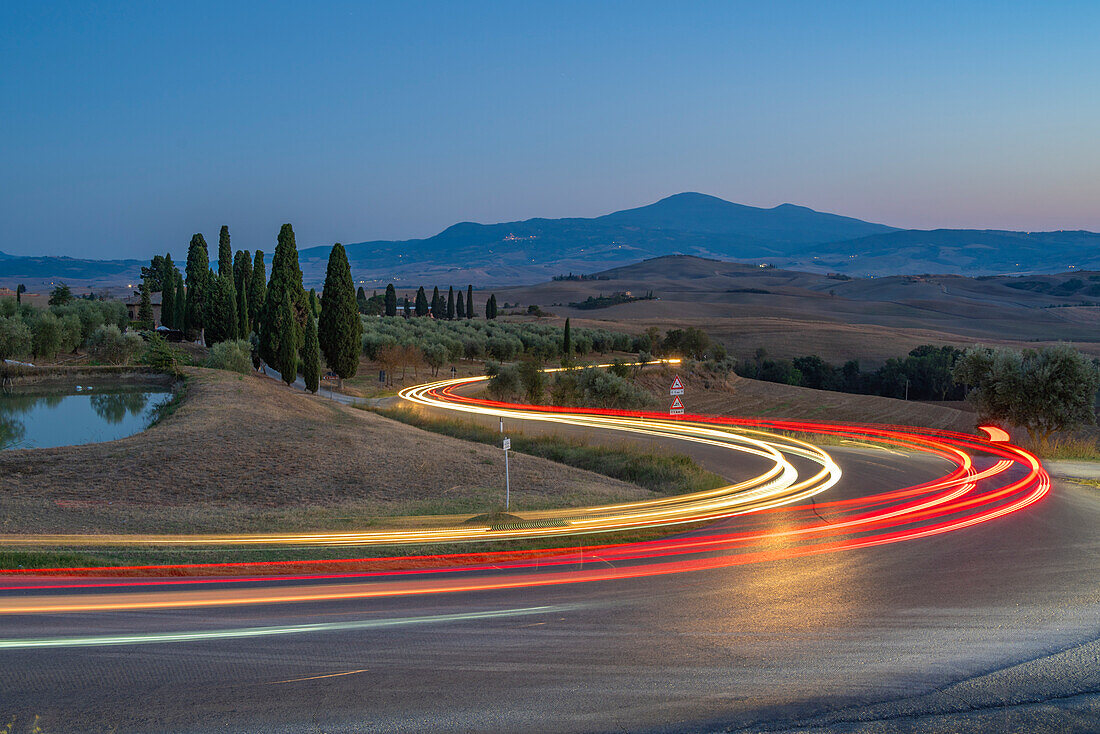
x: 505, y: 382
x: 234, y: 355
x: 593, y: 387
x: 160, y: 355
x: 15, y: 338
x: 109, y: 344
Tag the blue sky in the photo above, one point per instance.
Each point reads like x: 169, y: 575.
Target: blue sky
x: 126, y: 127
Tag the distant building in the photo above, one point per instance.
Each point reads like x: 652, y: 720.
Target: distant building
x: 133, y: 303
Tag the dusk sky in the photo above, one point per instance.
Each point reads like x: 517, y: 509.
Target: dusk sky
x: 126, y: 127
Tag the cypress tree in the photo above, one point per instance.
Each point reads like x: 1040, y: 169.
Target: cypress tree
x: 242, y: 279
x: 221, y: 311
x: 285, y: 284
x: 340, y: 331
x: 19, y: 291
x: 567, y: 345
x: 470, y: 302
x: 421, y: 302
x: 198, y: 273
x: 311, y: 358
x: 437, y: 304
x: 460, y: 307
x: 406, y: 307
x: 168, y: 297
x: 145, y: 308
x: 225, y: 254
x: 491, y: 307
x: 391, y: 300
x: 282, y: 330
x: 314, y: 305
x: 257, y: 290
x: 180, y: 308
x: 243, y: 326
x: 450, y: 303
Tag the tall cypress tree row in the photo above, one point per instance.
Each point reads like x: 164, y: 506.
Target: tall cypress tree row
x: 198, y: 273
x: 491, y: 307
x: 391, y: 300
x: 450, y: 303
x: 470, y: 302
x: 257, y: 290
x: 225, y: 254
x: 285, y: 284
x: 340, y: 331
x: 460, y: 307
x: 422, y: 307
x: 311, y: 357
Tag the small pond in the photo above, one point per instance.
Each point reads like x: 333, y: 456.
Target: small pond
x: 70, y: 416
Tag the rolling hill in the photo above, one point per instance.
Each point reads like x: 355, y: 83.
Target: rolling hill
x: 534, y: 250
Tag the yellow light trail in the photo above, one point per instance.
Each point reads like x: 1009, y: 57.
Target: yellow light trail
x: 779, y: 485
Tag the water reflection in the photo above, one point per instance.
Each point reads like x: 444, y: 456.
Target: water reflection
x: 39, y: 420
x: 114, y: 407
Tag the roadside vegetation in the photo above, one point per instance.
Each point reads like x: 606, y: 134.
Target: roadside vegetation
x: 666, y: 473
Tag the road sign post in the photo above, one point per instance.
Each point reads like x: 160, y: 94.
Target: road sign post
x: 507, y: 481
x: 676, y: 391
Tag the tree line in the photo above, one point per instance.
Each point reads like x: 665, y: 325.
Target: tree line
x: 926, y: 373
x: 280, y: 322
x: 453, y: 306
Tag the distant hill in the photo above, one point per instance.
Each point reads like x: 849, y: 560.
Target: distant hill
x: 534, y: 250
x: 74, y: 271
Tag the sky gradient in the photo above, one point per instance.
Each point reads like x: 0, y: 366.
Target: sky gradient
x: 126, y: 127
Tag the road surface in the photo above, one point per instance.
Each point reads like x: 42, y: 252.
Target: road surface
x: 992, y: 626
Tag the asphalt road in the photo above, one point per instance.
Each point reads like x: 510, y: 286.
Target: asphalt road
x: 989, y: 628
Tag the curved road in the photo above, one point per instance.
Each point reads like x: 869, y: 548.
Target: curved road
x: 989, y: 626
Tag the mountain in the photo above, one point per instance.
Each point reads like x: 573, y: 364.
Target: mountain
x: 786, y: 223
x: 534, y: 250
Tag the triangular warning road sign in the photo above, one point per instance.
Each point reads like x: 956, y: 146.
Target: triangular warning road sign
x: 676, y: 384
x: 676, y: 404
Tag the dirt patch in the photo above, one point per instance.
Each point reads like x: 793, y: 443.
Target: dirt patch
x: 246, y: 453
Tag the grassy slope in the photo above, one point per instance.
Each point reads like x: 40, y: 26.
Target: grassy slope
x: 667, y: 473
x: 733, y: 395
x: 247, y: 454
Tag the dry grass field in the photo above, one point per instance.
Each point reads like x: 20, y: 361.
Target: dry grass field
x: 792, y: 314
x: 737, y: 396
x: 248, y: 454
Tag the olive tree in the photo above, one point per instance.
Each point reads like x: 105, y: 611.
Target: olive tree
x: 1042, y: 391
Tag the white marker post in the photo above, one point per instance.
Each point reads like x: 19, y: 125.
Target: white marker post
x: 507, y: 481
